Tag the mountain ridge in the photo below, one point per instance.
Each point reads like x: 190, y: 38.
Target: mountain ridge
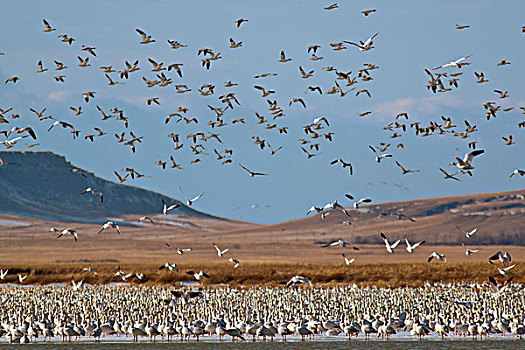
x: 44, y: 185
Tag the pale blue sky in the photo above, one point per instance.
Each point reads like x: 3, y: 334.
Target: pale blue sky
x: 413, y: 35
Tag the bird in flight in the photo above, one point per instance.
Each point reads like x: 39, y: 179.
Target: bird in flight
x: 389, y: 247
x: 189, y: 202
x: 411, y: 247
x: 67, y: 231
x: 220, y: 253
x: 456, y: 63
x: 166, y: 209
x: 108, y: 225
x: 252, y: 173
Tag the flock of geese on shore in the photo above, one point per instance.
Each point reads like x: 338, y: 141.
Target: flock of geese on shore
x: 165, y: 314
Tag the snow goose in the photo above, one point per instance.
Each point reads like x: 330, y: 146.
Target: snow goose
x: 440, y: 257
x: 108, y: 225
x: 389, y: 247
x: 220, y: 253
x: 410, y: 247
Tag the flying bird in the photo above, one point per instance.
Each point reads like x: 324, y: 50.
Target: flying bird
x: 468, y: 234
x: 189, y: 202
x: 108, y: 225
x: 64, y: 232
x: 166, y: 209
x: 220, y: 253
x: 93, y: 192
x: 389, y: 247
x: 504, y: 271
x: 348, y: 261
x: 457, y: 63
x: 178, y: 250
x: 252, y: 173
x: 298, y: 280
x: 197, y: 275
x: 146, y: 39
x: 411, y: 247
x: 440, y: 257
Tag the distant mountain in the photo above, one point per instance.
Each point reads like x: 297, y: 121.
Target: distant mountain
x: 43, y: 185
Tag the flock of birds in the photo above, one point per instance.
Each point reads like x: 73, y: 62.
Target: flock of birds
x: 159, y: 313
x: 477, y: 310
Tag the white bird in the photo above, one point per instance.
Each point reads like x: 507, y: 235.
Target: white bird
x: 235, y: 262
x: 503, y: 271
x: 67, y: 231
x: 197, y: 275
x: 108, y: 225
x: 93, y: 192
x: 171, y: 267
x: 348, y: 261
x: 166, y: 209
x: 220, y: 253
x: 179, y: 251
x: 410, y: 247
x: 364, y: 46
x: 22, y: 278
x: 356, y: 204
x: 321, y: 119
x: 468, y: 234
x: 518, y: 172
x: 314, y: 208
x: 380, y: 156
x: 146, y: 218
x: 76, y: 286
x: 11, y: 143
x: 455, y: 63
x: 339, y: 242
x: 122, y: 275
x: 3, y: 274
x: 469, y: 252
x: 335, y: 205
x: 91, y: 270
x: 504, y: 257
x: 466, y: 162
x: 496, y: 288
x: 298, y: 280
x: 389, y: 247
x: 440, y: 257
x: 189, y: 202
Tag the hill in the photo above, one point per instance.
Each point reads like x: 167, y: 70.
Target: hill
x: 44, y: 185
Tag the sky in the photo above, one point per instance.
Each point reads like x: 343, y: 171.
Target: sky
x: 412, y: 36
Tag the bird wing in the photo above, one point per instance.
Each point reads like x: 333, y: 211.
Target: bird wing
x: 469, y: 156
x: 395, y: 244
x: 199, y: 196
x: 471, y: 233
x: 418, y: 244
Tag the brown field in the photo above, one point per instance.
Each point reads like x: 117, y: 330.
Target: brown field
x: 251, y: 274
x: 268, y: 254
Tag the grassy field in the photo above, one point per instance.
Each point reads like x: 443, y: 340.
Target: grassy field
x: 268, y: 255
x: 250, y: 274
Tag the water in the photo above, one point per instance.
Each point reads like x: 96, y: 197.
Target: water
x: 434, y: 344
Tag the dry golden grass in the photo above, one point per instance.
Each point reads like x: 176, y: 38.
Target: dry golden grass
x: 251, y: 274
